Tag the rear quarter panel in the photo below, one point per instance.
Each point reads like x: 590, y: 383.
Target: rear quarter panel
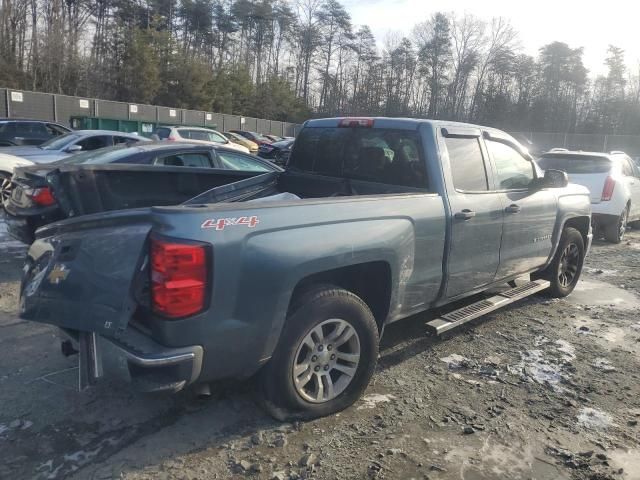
x: 257, y: 269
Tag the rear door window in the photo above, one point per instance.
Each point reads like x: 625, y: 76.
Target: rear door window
x: 191, y: 159
x: 55, y: 130
x: 124, y: 140
x: 94, y: 143
x: 467, y: 164
x: 386, y: 156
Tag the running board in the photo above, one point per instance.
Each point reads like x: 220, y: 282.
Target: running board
x: 465, y: 314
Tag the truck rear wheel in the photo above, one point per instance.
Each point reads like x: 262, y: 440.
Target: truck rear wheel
x: 566, y: 266
x: 325, y: 357
x: 615, y: 231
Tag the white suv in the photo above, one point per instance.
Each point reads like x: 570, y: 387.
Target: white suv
x: 197, y: 135
x: 614, y: 182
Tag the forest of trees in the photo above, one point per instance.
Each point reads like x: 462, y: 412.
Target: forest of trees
x: 291, y: 60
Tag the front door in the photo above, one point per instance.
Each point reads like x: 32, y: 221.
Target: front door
x: 530, y: 216
x: 477, y: 213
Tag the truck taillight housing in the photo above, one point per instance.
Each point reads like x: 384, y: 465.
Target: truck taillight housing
x: 179, y: 277
x: 607, y: 191
x: 41, y: 196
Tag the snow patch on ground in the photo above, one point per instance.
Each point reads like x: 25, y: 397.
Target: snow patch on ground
x: 372, y: 401
x: 594, y: 419
x: 455, y: 361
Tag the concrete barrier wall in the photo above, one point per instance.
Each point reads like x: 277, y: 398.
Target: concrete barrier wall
x: 59, y: 108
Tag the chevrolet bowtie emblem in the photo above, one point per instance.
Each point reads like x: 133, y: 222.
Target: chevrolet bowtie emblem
x: 58, y: 274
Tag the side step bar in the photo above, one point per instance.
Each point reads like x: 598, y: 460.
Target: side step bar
x: 465, y: 314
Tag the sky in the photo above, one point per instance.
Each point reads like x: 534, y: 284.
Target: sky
x: 589, y: 24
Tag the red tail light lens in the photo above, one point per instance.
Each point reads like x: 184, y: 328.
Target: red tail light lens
x: 179, y: 274
x: 41, y: 196
x: 171, y: 138
x: 607, y: 191
x: 356, y: 122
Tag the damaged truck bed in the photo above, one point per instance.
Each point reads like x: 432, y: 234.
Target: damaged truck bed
x: 295, y: 274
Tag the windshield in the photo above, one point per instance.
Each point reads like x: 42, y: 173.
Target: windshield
x: 575, y: 163
x: 101, y: 156
x: 58, y: 143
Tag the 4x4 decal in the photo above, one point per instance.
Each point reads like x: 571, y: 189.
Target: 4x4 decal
x: 221, y: 223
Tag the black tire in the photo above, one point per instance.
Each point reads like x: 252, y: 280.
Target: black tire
x: 309, y: 311
x: 560, y: 287
x: 614, y: 232
x: 5, y: 190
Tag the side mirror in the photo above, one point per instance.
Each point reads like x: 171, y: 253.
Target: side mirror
x: 552, y: 179
x: 74, y: 148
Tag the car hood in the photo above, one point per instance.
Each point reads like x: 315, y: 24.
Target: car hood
x: 35, y: 154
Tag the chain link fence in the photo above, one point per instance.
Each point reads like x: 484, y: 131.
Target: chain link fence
x: 630, y: 144
x: 60, y: 109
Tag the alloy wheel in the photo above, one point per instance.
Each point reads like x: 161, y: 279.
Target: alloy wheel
x: 569, y: 263
x: 326, y: 361
x: 5, y: 190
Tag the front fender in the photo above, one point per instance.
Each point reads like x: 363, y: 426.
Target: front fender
x: 574, y: 204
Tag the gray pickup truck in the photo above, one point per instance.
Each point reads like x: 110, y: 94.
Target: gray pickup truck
x: 294, y: 275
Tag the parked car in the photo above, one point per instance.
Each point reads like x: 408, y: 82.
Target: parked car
x: 205, y: 136
x: 295, y: 274
x: 28, y: 132
x: 7, y: 164
x: 72, y: 143
x: 273, y: 138
x: 253, y: 136
x: 240, y: 140
x: 278, y: 152
x: 32, y: 202
x: 613, y: 181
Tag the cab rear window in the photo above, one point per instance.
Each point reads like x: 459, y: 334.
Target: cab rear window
x: 575, y: 163
x: 387, y: 156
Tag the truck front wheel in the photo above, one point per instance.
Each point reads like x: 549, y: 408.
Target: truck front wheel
x: 325, y: 357
x: 566, y: 267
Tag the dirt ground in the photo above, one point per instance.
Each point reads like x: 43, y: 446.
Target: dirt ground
x: 545, y: 390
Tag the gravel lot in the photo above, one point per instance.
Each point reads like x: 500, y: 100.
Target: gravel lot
x: 541, y: 390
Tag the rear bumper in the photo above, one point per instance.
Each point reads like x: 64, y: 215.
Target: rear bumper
x: 601, y: 220
x: 19, y: 229
x: 147, y: 365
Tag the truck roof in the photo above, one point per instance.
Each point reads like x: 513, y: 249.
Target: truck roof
x: 396, y: 122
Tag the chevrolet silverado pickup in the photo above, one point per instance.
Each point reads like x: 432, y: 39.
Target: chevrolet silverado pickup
x: 294, y: 275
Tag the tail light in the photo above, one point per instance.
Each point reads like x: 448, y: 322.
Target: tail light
x: 356, y: 122
x: 171, y: 138
x: 41, y: 196
x: 607, y: 191
x: 179, y: 277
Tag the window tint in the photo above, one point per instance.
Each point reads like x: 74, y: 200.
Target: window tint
x: 94, y: 143
x: 514, y: 171
x: 6, y: 127
x: 236, y: 161
x: 55, y: 130
x: 30, y: 128
x: 575, y: 163
x: 163, y: 133
x: 376, y: 155
x: 124, y: 140
x: 467, y: 164
x: 185, y: 160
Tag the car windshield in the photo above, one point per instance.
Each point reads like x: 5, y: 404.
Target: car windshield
x: 575, y: 163
x: 58, y: 143
x: 101, y: 156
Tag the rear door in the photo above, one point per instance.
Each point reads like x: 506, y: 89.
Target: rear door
x: 529, y: 216
x: 477, y: 213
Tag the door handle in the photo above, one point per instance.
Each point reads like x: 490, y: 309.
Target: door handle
x: 513, y: 208
x: 465, y: 214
